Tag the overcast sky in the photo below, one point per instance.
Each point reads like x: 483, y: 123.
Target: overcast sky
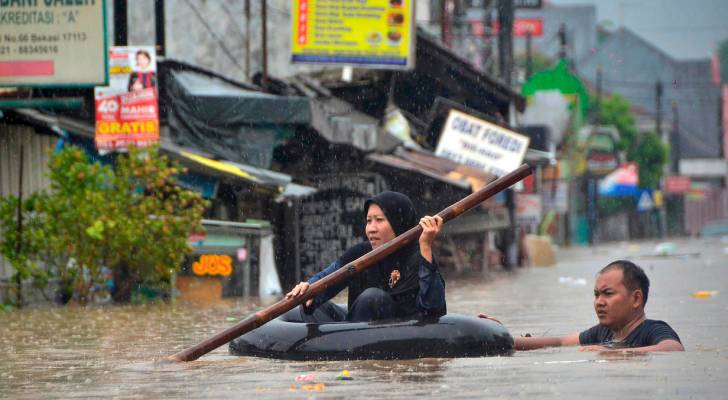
x: 684, y: 29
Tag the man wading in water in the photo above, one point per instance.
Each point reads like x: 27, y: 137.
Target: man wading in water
x: 620, y: 295
x: 405, y: 284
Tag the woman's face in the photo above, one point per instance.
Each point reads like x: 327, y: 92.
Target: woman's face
x: 378, y: 229
x: 142, y: 61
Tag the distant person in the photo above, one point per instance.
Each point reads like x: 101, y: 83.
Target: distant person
x: 405, y: 284
x: 143, y: 76
x: 620, y: 295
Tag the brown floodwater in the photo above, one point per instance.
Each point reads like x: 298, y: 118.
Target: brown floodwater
x: 116, y: 352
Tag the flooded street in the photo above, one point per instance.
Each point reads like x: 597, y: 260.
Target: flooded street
x: 115, y: 352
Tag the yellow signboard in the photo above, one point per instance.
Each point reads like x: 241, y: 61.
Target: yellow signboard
x: 52, y: 43
x: 366, y: 34
x: 213, y: 264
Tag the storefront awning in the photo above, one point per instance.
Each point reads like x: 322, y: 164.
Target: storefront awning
x: 217, y: 117
x: 275, y: 182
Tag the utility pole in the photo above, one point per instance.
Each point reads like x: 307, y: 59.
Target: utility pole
x: 562, y: 41
x: 675, y: 140
x: 505, y: 40
x: 120, y: 23
x: 487, y: 34
x: 661, y: 214
x: 247, y: 39
x: 446, y: 22
x: 658, y: 109
x: 159, y: 27
x: 597, y: 111
x: 264, y: 39
x: 529, y: 55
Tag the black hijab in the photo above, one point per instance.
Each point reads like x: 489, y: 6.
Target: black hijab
x: 402, y: 216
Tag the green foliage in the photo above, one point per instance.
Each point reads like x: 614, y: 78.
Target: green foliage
x: 651, y: 154
x: 646, y: 149
x: 95, y: 219
x: 615, y: 205
x: 615, y: 110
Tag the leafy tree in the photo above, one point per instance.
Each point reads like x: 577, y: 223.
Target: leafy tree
x: 646, y: 149
x: 651, y: 154
x: 616, y: 110
x: 132, y: 220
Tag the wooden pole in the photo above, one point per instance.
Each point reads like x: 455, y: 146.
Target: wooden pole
x: 348, y: 270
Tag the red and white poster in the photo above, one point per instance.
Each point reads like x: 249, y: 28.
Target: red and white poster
x: 127, y: 111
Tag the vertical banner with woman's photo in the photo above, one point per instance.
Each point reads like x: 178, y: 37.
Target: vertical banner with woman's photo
x: 127, y: 111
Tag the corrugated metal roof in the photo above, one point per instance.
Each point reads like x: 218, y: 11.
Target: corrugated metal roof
x: 441, y: 169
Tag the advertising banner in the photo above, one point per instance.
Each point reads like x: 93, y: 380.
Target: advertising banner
x: 621, y: 182
x: 522, y: 27
x: 528, y: 209
x: 480, y: 144
x: 127, y: 111
x: 367, y: 34
x: 677, y: 184
x: 52, y: 43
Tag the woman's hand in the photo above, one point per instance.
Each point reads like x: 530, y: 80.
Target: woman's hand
x: 431, y: 227
x: 299, y: 290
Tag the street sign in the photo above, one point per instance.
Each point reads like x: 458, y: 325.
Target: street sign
x: 521, y: 27
x: 602, y: 156
x: 677, y: 184
x: 645, y: 202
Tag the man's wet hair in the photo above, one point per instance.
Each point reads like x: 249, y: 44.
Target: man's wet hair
x: 633, y: 277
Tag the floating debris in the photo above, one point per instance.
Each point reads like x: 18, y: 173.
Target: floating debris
x: 344, y: 376
x: 306, y: 378
x: 315, y: 387
x: 704, y: 294
x: 665, y: 249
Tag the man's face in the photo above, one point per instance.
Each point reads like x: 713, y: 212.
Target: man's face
x: 614, y: 303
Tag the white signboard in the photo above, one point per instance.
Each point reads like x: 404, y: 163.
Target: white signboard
x: 52, y: 43
x: 480, y: 144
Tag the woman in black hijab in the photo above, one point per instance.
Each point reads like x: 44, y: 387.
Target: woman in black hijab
x: 405, y: 284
